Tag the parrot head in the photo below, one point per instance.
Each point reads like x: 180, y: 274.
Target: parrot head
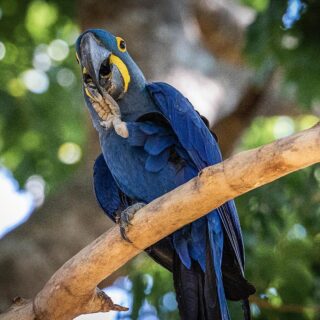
x: 114, y: 86
x: 106, y: 65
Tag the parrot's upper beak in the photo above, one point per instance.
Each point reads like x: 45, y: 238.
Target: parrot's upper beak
x: 98, y: 71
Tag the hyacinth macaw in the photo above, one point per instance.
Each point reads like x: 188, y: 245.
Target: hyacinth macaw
x: 152, y: 141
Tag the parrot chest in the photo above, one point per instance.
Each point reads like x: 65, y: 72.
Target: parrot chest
x: 128, y: 165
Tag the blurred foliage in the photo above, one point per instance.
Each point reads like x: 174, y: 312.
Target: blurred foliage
x: 42, y: 132
x: 285, y: 34
x: 40, y: 94
x: 281, y: 223
x: 153, y: 284
x: 258, y: 5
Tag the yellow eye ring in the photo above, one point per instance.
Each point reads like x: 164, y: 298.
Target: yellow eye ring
x: 121, y: 44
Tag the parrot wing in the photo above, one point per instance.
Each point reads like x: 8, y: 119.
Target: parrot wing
x: 109, y: 196
x: 112, y: 200
x: 202, y: 148
x: 227, y: 249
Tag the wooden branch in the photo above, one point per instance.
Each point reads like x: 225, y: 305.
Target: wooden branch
x: 72, y: 289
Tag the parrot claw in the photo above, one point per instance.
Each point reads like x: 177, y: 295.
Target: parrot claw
x: 126, y: 216
x: 107, y: 109
x: 106, y: 124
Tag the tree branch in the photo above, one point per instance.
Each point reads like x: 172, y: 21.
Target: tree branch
x: 72, y: 289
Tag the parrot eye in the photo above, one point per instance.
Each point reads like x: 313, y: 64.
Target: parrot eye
x: 121, y: 44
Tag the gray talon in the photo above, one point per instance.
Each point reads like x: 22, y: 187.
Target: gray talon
x: 126, y: 216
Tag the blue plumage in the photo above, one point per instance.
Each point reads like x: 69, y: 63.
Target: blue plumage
x: 169, y: 144
x: 110, y: 198
x: 203, y: 150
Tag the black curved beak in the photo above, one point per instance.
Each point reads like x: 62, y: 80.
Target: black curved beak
x: 98, y: 68
x: 93, y: 56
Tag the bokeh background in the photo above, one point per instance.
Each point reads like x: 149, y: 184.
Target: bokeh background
x: 252, y: 67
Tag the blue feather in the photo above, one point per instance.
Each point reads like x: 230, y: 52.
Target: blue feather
x: 216, y: 244
x: 137, y: 137
x: 149, y: 128
x: 180, y: 243
x: 106, y: 189
x: 198, y: 237
x: 157, y: 162
x: 157, y: 143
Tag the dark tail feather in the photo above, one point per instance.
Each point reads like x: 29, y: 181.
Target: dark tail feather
x: 246, y: 309
x: 196, y: 291
x: 236, y: 286
x: 162, y: 253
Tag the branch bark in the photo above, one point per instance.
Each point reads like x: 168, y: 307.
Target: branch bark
x: 72, y: 289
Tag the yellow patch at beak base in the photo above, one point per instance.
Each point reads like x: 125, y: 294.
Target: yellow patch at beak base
x: 88, y: 93
x: 123, y: 70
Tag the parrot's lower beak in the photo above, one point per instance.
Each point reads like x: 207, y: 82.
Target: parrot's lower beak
x: 98, y: 71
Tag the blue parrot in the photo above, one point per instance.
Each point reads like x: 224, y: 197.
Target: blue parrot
x: 152, y: 141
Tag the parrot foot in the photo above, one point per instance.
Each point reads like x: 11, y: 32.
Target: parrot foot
x: 119, y: 126
x: 107, y: 109
x: 126, y: 216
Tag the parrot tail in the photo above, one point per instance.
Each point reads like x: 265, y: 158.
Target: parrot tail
x: 196, y: 291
